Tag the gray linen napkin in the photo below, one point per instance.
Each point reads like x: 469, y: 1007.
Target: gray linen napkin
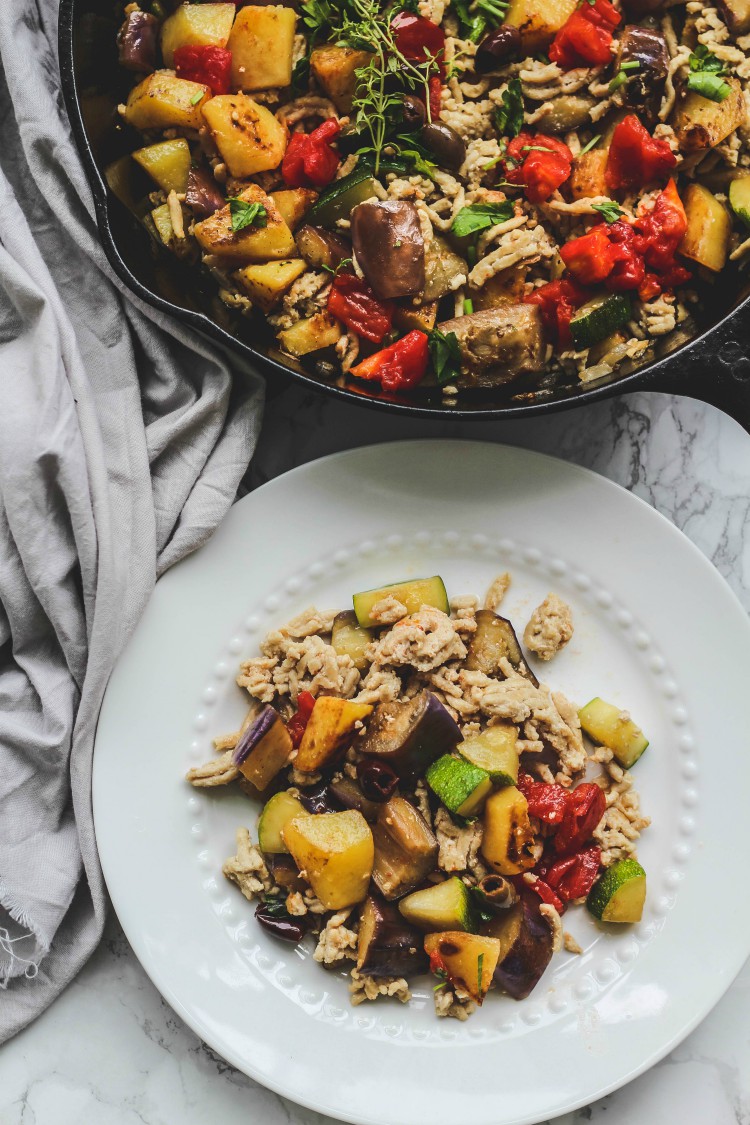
x: 122, y: 443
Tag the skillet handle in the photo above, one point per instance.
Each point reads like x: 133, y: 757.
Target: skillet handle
x: 716, y: 371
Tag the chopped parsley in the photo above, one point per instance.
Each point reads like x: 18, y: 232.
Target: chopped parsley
x: 508, y: 117
x: 247, y: 214
x: 301, y: 76
x: 477, y: 16
x: 480, y: 216
x: 609, y: 211
x: 705, y: 75
x: 480, y: 966
x: 587, y: 148
x: 445, y: 354
x: 275, y: 905
x: 481, y: 905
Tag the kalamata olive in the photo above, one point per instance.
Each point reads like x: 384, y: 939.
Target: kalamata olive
x: 316, y: 799
x: 325, y: 369
x: 377, y: 780
x: 414, y: 112
x: 281, y: 926
x: 203, y: 194
x: 445, y: 143
x: 501, y: 45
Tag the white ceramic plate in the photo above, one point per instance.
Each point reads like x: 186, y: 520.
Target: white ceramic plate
x: 656, y: 630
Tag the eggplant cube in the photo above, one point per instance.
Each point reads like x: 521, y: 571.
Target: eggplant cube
x: 406, y: 850
x: 526, y: 946
x: 264, y: 748
x: 276, y: 814
x: 409, y: 736
x: 507, y: 842
x: 335, y: 851
x: 494, y: 640
x: 331, y: 726
x: 348, y: 637
x: 388, y: 946
x: 468, y: 960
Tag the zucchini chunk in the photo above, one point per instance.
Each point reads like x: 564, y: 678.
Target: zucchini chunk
x: 468, y: 960
x: 507, y: 843
x: 461, y: 786
x: 342, y: 197
x: 336, y: 851
x: 264, y: 748
x: 414, y: 594
x: 411, y: 735
x: 701, y: 124
x: 706, y: 240
x: 526, y: 946
x: 446, y: 906
x: 406, y: 850
x: 276, y: 814
x: 388, y: 946
x: 350, y: 639
x: 739, y: 196
x: 619, y: 894
x: 494, y: 640
x: 494, y: 750
x: 613, y: 727
x: 331, y: 726
x: 598, y: 318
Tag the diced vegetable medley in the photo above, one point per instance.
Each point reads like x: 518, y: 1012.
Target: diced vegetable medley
x: 427, y: 804
x: 456, y: 195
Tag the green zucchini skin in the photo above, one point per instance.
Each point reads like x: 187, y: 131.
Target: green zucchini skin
x: 338, y: 201
x: 598, y: 318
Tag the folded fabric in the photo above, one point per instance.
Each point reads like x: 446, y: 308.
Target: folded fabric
x: 123, y: 439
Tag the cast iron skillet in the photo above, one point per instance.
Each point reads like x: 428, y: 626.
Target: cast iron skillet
x: 713, y: 366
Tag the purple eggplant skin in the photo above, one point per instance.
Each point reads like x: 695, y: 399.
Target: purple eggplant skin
x: 285, y: 872
x: 348, y: 795
x: 203, y: 195
x: 388, y: 946
x: 318, y: 798
x: 252, y: 735
x: 406, y: 850
x: 495, y: 639
x: 645, y: 86
x: 281, y: 926
x: 137, y: 42
x: 389, y: 246
x: 526, y: 946
x: 410, y: 736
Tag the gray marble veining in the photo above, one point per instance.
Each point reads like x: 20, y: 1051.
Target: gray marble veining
x: 112, y: 1052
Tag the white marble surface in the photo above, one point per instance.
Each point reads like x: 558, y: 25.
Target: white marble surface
x: 111, y: 1052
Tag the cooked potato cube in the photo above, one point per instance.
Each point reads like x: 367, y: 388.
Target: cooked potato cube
x: 422, y: 318
x: 538, y: 21
x: 334, y: 70
x: 700, y: 123
x: 335, y: 850
x: 331, y: 726
x: 310, y: 335
x: 267, y: 282
x: 261, y: 43
x: 196, y: 25
x: 468, y: 960
x: 168, y: 163
x: 162, y: 101
x: 293, y: 203
x: 251, y: 244
x: 247, y: 135
x: 709, y: 226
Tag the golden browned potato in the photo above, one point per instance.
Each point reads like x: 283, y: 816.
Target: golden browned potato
x: 468, y: 960
x: 422, y: 317
x: 700, y: 123
x: 334, y: 70
x: 538, y: 21
x: 196, y: 25
x: 261, y: 43
x: 336, y: 852
x: 310, y: 334
x: 293, y: 203
x: 247, y: 135
x: 163, y: 101
x: 507, y: 840
x: 506, y: 287
x: 330, y: 728
x: 267, y: 282
x: 168, y: 163
x: 252, y: 243
x: 706, y: 239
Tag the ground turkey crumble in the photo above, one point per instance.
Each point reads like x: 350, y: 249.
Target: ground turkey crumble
x: 550, y: 628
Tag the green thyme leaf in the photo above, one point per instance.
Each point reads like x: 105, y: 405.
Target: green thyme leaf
x: 609, y: 211
x: 508, y: 116
x: 247, y: 214
x: 594, y: 141
x: 481, y: 216
x: 445, y: 354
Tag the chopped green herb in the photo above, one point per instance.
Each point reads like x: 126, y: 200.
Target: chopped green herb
x: 480, y: 966
x: 275, y: 905
x: 705, y: 75
x: 535, y: 148
x: 301, y: 76
x: 341, y: 266
x: 623, y: 75
x: 157, y: 9
x: 445, y: 354
x: 442, y: 977
x: 317, y: 15
x: 480, y: 216
x: 471, y: 255
x: 468, y: 306
x: 609, y: 211
x: 508, y: 116
x: 196, y: 97
x: 481, y: 905
x: 247, y: 214
x: 587, y: 148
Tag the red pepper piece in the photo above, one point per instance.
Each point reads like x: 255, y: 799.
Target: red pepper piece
x: 635, y: 157
x: 354, y: 302
x: 558, y: 301
x: 548, y: 803
x: 300, y: 719
x: 586, y: 805
x: 590, y: 258
x: 418, y: 39
x: 435, y: 90
x: 574, y: 876
x: 309, y: 160
x: 546, y: 894
x: 585, y: 38
x: 398, y: 366
x: 542, y: 164
x: 211, y: 66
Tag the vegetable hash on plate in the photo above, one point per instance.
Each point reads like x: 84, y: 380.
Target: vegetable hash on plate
x: 465, y: 194
x: 428, y: 804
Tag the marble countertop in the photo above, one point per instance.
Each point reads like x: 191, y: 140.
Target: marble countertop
x: 110, y: 1051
